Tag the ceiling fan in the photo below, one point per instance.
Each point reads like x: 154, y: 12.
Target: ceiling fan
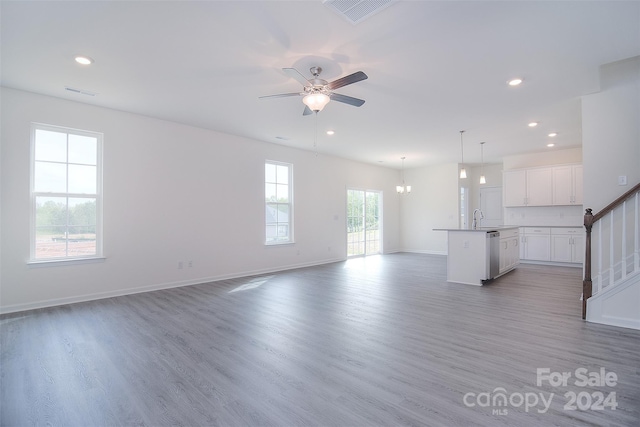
x: 318, y: 92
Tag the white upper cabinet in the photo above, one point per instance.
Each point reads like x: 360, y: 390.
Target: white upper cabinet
x: 545, y: 186
x: 515, y: 187
x: 539, y: 187
x: 528, y: 187
x: 577, y: 185
x: 567, y: 185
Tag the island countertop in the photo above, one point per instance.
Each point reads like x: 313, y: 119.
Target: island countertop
x: 480, y: 229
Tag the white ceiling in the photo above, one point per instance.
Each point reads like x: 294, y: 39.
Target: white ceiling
x: 434, y: 67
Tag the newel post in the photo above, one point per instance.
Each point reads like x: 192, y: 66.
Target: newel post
x: 586, y: 283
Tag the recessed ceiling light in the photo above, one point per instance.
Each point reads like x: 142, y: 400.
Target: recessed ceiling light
x: 84, y: 60
x: 552, y: 134
x: 330, y: 132
x: 551, y: 144
x: 514, y: 82
x: 533, y: 124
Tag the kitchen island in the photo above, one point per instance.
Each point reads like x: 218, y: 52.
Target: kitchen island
x: 476, y: 256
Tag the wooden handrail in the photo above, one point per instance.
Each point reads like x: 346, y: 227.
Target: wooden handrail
x: 611, y: 206
x: 589, y: 220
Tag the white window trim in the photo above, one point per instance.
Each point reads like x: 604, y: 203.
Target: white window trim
x: 291, y: 227
x: 67, y: 260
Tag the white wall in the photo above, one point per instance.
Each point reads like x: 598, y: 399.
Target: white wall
x: 611, y: 147
x: 544, y: 158
x: 174, y: 193
x: 493, y: 175
x: 433, y: 203
x: 611, y: 135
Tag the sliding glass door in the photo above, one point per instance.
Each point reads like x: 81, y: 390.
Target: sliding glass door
x: 364, y: 225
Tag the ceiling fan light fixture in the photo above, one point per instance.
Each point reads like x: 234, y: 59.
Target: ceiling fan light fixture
x: 316, y: 101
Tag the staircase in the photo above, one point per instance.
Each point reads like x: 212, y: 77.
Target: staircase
x: 612, y: 254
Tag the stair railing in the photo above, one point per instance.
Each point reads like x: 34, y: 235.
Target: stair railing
x: 617, y: 248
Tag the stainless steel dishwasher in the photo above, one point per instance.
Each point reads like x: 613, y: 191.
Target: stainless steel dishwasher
x: 493, y: 244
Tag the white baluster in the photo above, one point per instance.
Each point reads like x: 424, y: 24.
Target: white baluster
x: 623, y: 261
x: 599, y: 256
x: 636, y: 236
x: 611, y: 252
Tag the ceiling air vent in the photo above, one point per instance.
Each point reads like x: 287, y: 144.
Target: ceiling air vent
x: 356, y: 11
x: 79, y: 91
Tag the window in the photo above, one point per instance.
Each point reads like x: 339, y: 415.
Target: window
x: 278, y: 197
x: 66, y: 196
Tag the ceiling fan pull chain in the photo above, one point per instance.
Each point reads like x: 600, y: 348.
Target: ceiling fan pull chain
x: 315, y: 136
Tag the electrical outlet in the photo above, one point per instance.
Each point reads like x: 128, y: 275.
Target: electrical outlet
x: 180, y: 265
x: 465, y: 244
x: 190, y: 264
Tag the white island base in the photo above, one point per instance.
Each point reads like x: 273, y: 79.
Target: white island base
x: 470, y: 256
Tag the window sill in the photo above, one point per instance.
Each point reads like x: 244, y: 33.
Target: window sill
x: 61, y: 262
x: 279, y: 243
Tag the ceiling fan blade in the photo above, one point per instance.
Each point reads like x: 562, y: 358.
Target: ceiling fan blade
x: 306, y: 111
x: 347, y: 99
x: 280, y: 95
x: 292, y: 72
x: 347, y: 80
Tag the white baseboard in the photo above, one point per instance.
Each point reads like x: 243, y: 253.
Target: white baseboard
x: 553, y: 263
x: 14, y: 308
x: 427, y: 252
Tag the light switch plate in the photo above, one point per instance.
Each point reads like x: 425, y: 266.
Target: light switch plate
x: 622, y: 180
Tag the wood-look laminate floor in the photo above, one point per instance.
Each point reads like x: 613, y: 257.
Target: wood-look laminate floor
x: 377, y: 341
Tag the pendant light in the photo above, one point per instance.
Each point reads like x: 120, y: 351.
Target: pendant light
x: 463, y: 171
x: 403, y: 189
x: 483, y: 180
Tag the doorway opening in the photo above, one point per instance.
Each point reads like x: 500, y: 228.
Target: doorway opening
x: 464, y: 207
x: 364, y: 225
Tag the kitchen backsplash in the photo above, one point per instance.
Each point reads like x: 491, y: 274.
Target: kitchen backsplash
x: 539, y: 216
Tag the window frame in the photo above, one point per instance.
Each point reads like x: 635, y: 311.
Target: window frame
x: 290, y: 204
x: 98, y: 196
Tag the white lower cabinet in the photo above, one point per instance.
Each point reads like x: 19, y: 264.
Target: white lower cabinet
x: 556, y: 244
x: 567, y: 245
x: 536, y: 244
x: 509, y: 249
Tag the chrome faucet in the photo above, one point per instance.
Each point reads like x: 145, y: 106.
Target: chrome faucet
x: 475, y: 221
